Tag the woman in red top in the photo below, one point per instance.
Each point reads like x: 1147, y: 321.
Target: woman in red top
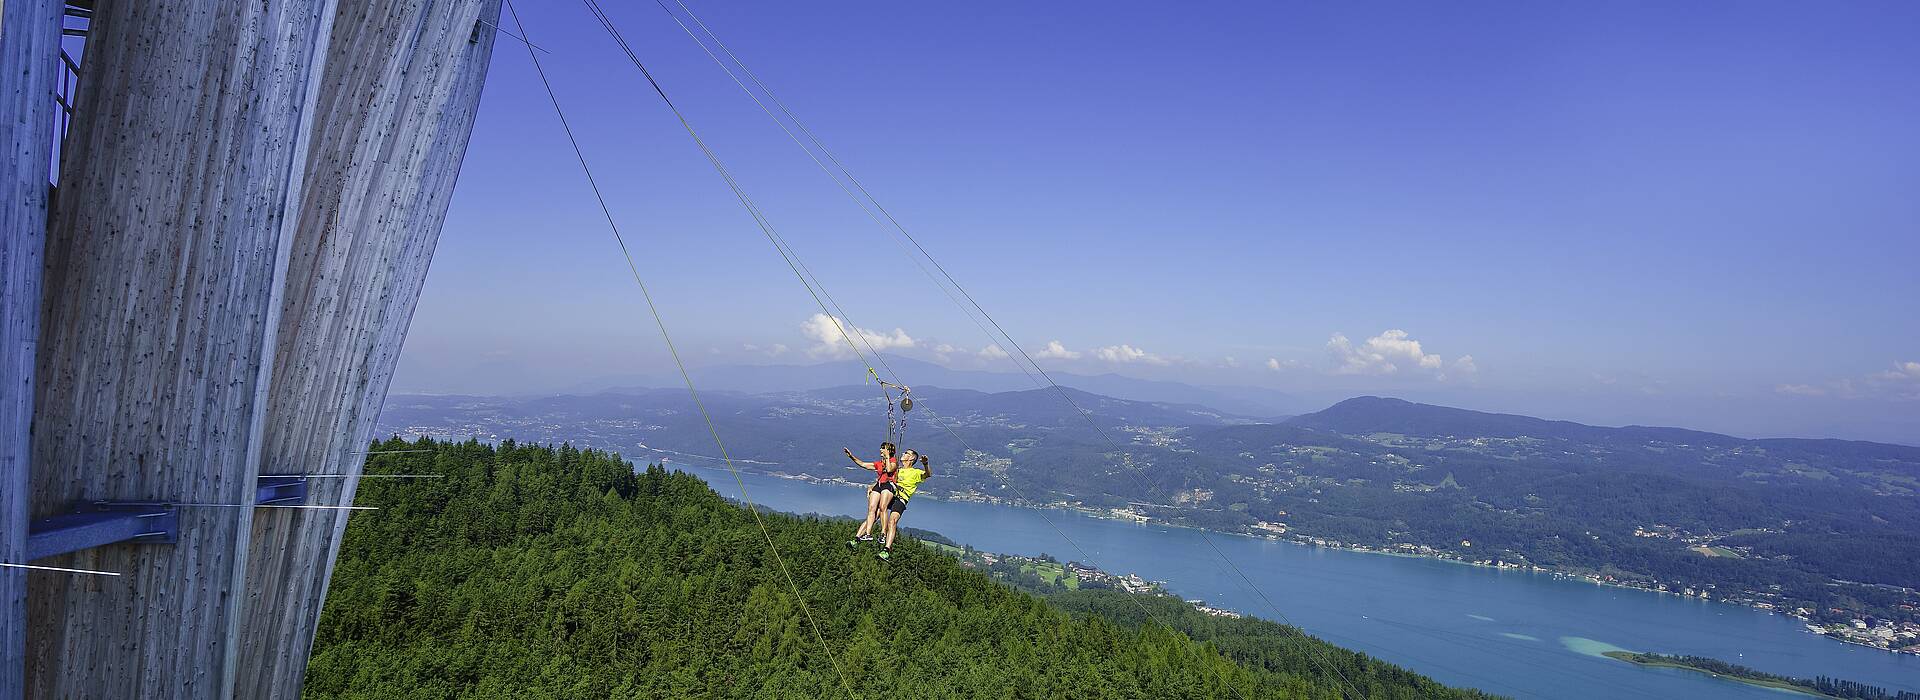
x: 880, y: 494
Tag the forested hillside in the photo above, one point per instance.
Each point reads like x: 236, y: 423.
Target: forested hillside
x: 538, y: 572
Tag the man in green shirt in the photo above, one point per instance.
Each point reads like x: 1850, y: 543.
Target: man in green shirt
x: 915, y: 469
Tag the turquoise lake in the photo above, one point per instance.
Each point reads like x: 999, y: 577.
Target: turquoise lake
x: 1519, y: 634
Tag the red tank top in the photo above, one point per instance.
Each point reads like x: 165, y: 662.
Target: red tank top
x: 879, y: 467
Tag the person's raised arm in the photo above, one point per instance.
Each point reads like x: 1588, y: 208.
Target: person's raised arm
x: 856, y: 460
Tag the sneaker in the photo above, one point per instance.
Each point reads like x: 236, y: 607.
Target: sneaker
x: 852, y: 544
x: 865, y: 538
x: 885, y: 553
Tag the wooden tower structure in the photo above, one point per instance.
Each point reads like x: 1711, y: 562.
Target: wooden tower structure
x: 205, y: 294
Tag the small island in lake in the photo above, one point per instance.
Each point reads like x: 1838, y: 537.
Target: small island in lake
x: 1821, y: 686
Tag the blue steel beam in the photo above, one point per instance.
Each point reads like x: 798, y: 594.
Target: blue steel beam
x: 280, y: 490
x: 102, y: 523
x: 96, y: 524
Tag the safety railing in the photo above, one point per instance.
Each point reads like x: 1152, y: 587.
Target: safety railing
x: 74, y: 24
x: 69, y: 83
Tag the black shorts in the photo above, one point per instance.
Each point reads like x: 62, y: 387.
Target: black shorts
x: 887, y: 487
x: 899, y: 505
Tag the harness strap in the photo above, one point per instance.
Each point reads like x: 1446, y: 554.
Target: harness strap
x: 890, y: 433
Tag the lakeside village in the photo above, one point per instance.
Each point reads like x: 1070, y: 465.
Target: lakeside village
x: 1885, y: 635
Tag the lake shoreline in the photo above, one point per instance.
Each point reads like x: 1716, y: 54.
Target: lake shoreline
x: 1323, y: 543
x: 1461, y: 625
x: 1637, y: 660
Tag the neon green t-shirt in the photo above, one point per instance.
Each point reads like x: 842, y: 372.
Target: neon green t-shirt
x: 906, y: 481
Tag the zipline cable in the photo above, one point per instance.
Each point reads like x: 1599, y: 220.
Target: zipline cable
x: 787, y: 253
x: 759, y: 217
x: 882, y: 217
x: 858, y: 200
x: 976, y: 306
x: 170, y: 504
x: 63, y: 570
x: 843, y: 170
x: 363, y: 476
x: 634, y: 268
x: 822, y: 298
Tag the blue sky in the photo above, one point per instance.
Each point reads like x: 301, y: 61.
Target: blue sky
x: 1700, y: 214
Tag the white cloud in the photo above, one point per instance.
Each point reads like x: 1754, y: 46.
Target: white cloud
x: 1463, y: 367
x: 830, y: 337
x: 1123, y: 354
x: 774, y: 350
x: 1391, y: 352
x: 1278, y: 365
x: 1899, y: 384
x: 1055, y: 351
x: 1902, y: 383
x: 1902, y: 372
x: 943, y: 352
x: 1904, y: 380
x: 993, y: 352
x: 1844, y: 388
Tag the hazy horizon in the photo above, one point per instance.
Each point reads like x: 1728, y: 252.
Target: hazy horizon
x: 1601, y: 412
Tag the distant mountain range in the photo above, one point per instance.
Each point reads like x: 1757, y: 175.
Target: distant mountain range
x: 1373, y: 414
x: 766, y: 379
x: 1668, y: 507
x: 798, y: 431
